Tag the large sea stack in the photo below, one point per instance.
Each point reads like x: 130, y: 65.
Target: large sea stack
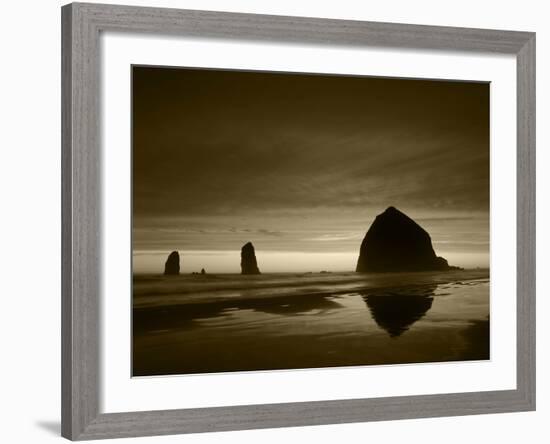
x: 172, y: 265
x: 395, y: 242
x: 248, y: 260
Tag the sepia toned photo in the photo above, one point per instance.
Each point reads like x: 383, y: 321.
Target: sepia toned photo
x: 292, y: 220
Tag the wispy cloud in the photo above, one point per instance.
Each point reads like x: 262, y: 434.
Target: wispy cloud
x: 335, y: 237
x: 304, y: 163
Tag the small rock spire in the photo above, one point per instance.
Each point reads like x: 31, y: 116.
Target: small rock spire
x: 172, y: 265
x: 249, y: 265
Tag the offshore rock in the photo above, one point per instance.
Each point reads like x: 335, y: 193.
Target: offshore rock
x: 172, y: 265
x: 395, y: 242
x: 249, y: 265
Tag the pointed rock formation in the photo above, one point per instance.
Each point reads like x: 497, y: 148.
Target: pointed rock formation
x: 172, y: 265
x: 248, y: 260
x: 395, y: 242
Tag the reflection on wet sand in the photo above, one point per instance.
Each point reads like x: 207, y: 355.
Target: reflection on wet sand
x: 183, y: 316
x: 297, y: 327
x: 395, y: 310
x: 477, y: 338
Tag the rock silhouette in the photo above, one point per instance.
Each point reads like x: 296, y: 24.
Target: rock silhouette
x: 395, y: 242
x: 172, y: 265
x: 248, y: 260
x: 396, y: 310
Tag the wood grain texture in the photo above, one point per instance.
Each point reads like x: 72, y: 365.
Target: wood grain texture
x: 526, y: 220
x: 81, y: 222
x: 300, y: 29
x: 81, y: 231
x: 66, y: 223
x: 119, y: 425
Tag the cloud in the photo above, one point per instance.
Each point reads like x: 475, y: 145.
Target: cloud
x: 336, y: 237
x: 303, y: 162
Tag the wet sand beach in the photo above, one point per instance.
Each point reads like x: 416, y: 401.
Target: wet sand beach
x: 227, y: 322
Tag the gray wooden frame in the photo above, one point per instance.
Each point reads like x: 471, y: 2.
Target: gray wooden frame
x: 81, y: 167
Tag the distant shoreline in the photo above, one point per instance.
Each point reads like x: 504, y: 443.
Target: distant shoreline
x: 157, y: 290
x: 140, y: 275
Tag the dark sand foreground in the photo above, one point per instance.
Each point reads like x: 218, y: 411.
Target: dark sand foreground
x: 219, y: 323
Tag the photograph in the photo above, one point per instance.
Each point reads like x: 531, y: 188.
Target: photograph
x: 289, y: 220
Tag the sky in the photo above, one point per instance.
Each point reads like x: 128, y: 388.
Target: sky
x: 300, y: 165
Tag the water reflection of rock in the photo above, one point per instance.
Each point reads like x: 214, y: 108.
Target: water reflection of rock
x: 395, y: 310
x: 477, y: 337
x: 184, y: 316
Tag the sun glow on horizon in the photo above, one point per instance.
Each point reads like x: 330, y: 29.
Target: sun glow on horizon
x: 228, y: 261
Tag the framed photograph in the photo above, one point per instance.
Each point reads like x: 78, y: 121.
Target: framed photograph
x: 278, y: 221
